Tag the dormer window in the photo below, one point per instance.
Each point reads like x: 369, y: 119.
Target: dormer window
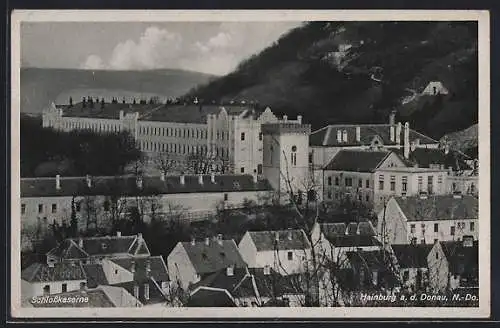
x: 104, y: 246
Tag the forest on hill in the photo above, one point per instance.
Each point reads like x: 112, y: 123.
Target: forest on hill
x: 358, y: 72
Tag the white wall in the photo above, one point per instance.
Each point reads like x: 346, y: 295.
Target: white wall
x: 116, y: 274
x: 29, y: 290
x: 180, y: 267
x: 248, y: 250
x: 444, y: 230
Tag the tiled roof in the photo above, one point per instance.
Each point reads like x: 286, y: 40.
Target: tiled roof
x: 41, y: 272
x: 327, y: 136
x: 239, y: 284
x: 214, y: 256
x: 155, y: 293
x: 208, y: 297
x: 110, y: 111
x: 96, y: 298
x: 127, y: 185
x: 340, y: 235
x: 426, y: 157
x: 95, y: 275
x: 439, y: 207
x: 157, y: 266
x: 287, y: 239
x: 411, y: 256
x: 91, y: 246
x: 461, y: 259
x: 275, y: 284
x: 192, y: 113
x: 357, y: 160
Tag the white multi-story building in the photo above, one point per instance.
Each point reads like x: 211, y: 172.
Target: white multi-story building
x: 232, y: 133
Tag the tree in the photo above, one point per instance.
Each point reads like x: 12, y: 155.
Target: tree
x: 198, y: 163
x: 73, y: 219
x: 166, y: 163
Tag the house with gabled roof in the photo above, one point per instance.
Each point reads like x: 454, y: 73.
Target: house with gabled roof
x: 333, y: 240
x: 42, y: 279
x: 428, y: 218
x: 454, y: 265
x: 95, y: 249
x: 411, y: 261
x: 189, y: 262
x: 285, y: 251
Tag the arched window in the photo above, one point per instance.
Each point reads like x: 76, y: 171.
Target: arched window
x: 294, y: 155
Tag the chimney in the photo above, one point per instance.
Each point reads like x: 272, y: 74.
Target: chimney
x: 162, y: 176
x: 344, y: 136
x: 277, y: 236
x: 139, y: 236
x: 182, y: 180
x: 118, y: 234
x: 138, y: 182
x: 193, y: 241
x: 132, y: 268
x: 51, y: 264
x: 299, y: 119
x: 339, y: 136
x: 80, y: 242
x: 200, y: 179
x: 413, y: 146
x: 212, y: 178
x: 289, y: 234
x: 358, y: 134
x: 230, y: 271
x: 136, y: 291
x: 285, y: 118
x: 58, y: 182
x: 391, y: 130
x: 89, y: 181
x: 267, y: 270
x: 398, y: 133
x: 148, y: 266
x: 219, y: 239
x: 207, y: 241
x: 407, y: 140
x: 392, y: 118
x: 255, y: 178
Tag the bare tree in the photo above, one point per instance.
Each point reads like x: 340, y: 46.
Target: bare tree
x: 166, y: 163
x: 198, y: 163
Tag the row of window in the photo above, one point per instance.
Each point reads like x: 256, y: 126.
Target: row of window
x: 338, y: 195
x: 173, y: 132
x: 460, y: 226
x: 348, y: 182
x: 97, y: 127
x: 175, y: 148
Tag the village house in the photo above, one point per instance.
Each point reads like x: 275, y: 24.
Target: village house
x: 97, y: 200
x: 411, y: 260
x: 231, y: 132
x: 189, y: 262
x: 41, y: 279
x: 426, y: 219
x: 285, y: 251
x: 332, y: 241
x: 454, y: 264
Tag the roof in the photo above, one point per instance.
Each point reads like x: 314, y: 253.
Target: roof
x: 215, y: 256
x: 210, y: 297
x: 240, y: 284
x: 427, y: 157
x: 158, y: 269
x: 287, y: 239
x: 341, y: 235
x: 96, y: 298
x: 357, y: 160
x: 412, y: 256
x: 127, y: 185
x: 372, y: 260
x: 95, y: 275
x: 156, y: 295
x: 327, y: 136
x: 439, y: 207
x: 92, y: 246
x: 275, y: 284
x: 110, y: 110
x: 191, y: 113
x: 41, y: 272
x: 462, y: 260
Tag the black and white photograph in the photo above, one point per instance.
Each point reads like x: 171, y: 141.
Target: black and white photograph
x: 297, y: 164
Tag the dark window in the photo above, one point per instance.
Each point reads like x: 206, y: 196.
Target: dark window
x: 242, y: 170
x: 472, y: 226
x: 259, y: 169
x: 290, y: 256
x: 54, y: 208
x: 329, y: 181
x: 406, y: 275
x: 64, y: 288
x: 367, y: 197
x: 404, y: 183
x: 348, y: 182
x: 106, y: 205
x: 452, y: 231
x: 412, y: 228
x: 367, y: 183
x: 310, y: 158
x: 40, y: 208
x: 329, y: 195
x: 360, y: 183
x: 225, y: 197
x: 46, y: 290
x: 420, y: 183
x: 381, y: 182
x: 436, y: 227
x: 260, y: 136
x: 23, y: 208
x: 360, y: 197
x: 337, y: 181
x: 393, y: 183
x: 430, y: 184
x: 437, y: 255
x: 242, y: 136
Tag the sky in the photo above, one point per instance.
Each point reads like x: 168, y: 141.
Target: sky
x: 208, y: 47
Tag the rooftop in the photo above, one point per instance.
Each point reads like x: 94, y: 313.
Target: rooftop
x: 110, y: 111
x: 156, y: 295
x: 411, y: 256
x: 439, y: 207
x: 157, y: 268
x: 210, y: 297
x: 214, y: 256
x: 357, y: 160
x: 428, y: 157
x: 239, y: 284
x: 282, y: 239
x: 462, y: 259
x: 41, y: 272
x: 327, y: 136
x: 151, y: 185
